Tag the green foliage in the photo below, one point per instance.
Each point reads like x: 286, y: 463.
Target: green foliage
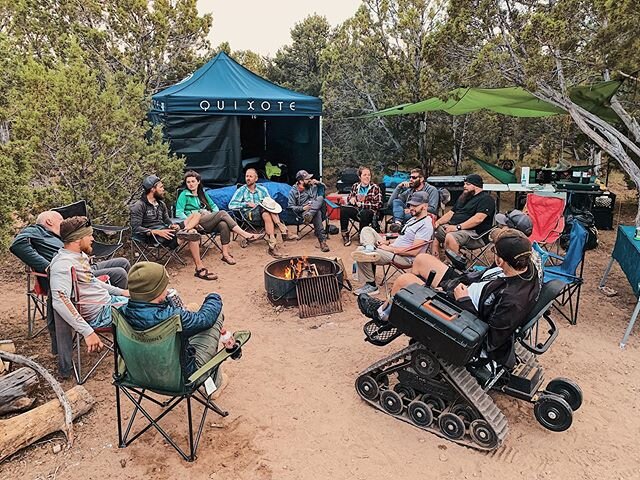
x: 86, y: 139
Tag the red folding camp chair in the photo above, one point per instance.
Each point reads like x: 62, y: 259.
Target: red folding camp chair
x: 546, y: 213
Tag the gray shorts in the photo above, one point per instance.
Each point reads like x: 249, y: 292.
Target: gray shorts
x: 464, y: 238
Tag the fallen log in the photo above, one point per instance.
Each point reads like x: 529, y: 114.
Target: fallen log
x: 15, y: 388
x: 6, y: 346
x: 24, y: 429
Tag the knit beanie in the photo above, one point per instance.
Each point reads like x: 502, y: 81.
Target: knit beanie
x: 147, y: 280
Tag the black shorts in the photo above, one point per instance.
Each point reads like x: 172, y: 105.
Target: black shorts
x: 449, y: 275
x: 171, y: 244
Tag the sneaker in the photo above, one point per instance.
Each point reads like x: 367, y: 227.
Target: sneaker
x: 365, y: 256
x: 346, y: 239
x: 224, y: 381
x: 395, y: 227
x: 369, y: 306
x: 368, y: 289
x: 188, y: 235
x: 307, y: 218
x: 324, y: 247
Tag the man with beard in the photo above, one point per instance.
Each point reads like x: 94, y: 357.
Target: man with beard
x: 470, y: 218
x: 398, y: 202
x: 94, y: 311
x: 305, y: 199
x: 150, y: 222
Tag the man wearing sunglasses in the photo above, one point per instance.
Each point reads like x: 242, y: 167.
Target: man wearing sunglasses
x: 403, y: 192
x: 96, y: 297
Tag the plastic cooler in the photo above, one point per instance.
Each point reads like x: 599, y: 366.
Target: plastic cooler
x: 338, y: 199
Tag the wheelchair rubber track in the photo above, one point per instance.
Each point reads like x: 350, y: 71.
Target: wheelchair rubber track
x: 461, y: 380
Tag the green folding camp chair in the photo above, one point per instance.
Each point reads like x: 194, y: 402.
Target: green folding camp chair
x: 151, y: 361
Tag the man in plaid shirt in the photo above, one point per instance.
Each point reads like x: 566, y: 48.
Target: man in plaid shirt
x: 363, y: 203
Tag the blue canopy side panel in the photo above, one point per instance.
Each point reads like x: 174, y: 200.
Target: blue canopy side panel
x: 210, y: 144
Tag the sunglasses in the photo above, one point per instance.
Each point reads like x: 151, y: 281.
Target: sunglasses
x: 413, y: 177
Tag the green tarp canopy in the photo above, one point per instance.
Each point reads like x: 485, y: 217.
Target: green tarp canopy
x: 514, y: 101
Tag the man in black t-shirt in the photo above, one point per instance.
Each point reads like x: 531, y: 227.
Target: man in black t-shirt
x: 471, y: 217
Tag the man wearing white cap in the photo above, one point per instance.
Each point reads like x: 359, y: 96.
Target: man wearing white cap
x: 305, y: 200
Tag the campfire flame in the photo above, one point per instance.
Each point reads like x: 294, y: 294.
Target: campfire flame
x: 297, y: 267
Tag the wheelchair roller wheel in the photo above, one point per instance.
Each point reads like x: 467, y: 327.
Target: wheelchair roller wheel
x: 405, y: 390
x: 483, y: 434
x: 367, y: 387
x: 465, y: 412
x: 420, y: 413
x: 425, y: 364
x: 451, y: 426
x: 434, y: 402
x: 391, y: 402
x: 553, y: 412
x: 567, y: 389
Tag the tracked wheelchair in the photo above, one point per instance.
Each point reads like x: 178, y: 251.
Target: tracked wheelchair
x: 441, y: 381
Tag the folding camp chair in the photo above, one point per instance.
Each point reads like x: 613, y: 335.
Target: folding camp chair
x: 151, y: 361
x: 396, y: 268
x: 566, y: 271
x: 36, y: 302
x: 152, y: 250
x: 479, y: 257
x: 546, y: 213
x: 71, y: 357
x: 101, y: 250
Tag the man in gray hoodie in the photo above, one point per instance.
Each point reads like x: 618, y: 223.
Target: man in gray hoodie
x: 398, y: 202
x: 307, y: 201
x: 96, y: 297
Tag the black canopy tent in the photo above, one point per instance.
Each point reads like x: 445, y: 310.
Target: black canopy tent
x: 223, y: 113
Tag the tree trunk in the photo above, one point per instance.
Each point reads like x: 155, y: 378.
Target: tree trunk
x: 24, y: 429
x: 15, y: 388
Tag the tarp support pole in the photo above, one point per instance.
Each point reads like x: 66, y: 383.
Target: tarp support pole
x: 320, y: 143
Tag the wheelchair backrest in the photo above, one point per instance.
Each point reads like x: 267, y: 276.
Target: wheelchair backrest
x: 548, y: 294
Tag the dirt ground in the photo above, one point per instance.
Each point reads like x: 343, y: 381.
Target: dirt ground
x: 294, y: 412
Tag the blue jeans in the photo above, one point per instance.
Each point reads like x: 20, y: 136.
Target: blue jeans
x: 397, y: 206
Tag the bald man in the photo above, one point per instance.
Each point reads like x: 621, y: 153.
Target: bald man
x: 37, y: 244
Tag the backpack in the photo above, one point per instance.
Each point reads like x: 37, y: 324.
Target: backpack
x: 585, y: 217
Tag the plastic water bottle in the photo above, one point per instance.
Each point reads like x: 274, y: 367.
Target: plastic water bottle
x: 354, y: 271
x: 227, y: 340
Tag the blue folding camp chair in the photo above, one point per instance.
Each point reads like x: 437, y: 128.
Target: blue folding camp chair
x: 565, y: 269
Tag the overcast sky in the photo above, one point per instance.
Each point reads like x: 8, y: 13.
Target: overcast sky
x: 263, y: 25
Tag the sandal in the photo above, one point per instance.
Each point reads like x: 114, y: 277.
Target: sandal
x: 228, y: 260
x: 204, y: 274
x: 255, y: 237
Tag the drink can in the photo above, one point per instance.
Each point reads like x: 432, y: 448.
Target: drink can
x: 174, y: 299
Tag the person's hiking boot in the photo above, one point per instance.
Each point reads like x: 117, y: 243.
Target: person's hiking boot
x: 323, y: 246
x: 368, y: 289
x: 346, y: 239
x: 369, y: 306
x: 273, y: 246
x: 289, y: 237
x: 307, y: 218
x: 365, y: 255
x: 188, y: 235
x: 395, y: 227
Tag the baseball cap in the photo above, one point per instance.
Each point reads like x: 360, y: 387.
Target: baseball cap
x: 512, y: 245
x: 303, y: 175
x: 516, y: 219
x: 418, y: 198
x: 474, y: 179
x: 149, y: 182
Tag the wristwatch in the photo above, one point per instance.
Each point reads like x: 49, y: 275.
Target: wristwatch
x: 458, y: 227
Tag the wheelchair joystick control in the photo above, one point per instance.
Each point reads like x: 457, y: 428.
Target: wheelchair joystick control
x: 430, y: 278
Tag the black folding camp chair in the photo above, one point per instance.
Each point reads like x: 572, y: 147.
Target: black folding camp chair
x: 111, y: 233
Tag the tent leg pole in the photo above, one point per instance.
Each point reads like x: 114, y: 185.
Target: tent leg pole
x: 320, y: 142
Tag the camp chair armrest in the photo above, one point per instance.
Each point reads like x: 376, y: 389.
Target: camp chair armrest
x: 539, y: 349
x: 109, y: 228
x: 241, y: 336
x: 330, y: 203
x: 555, y: 256
x: 411, y: 248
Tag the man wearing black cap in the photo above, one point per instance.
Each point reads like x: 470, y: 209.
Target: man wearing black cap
x: 306, y: 200
x: 150, y: 222
x: 502, y: 295
x: 470, y: 218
